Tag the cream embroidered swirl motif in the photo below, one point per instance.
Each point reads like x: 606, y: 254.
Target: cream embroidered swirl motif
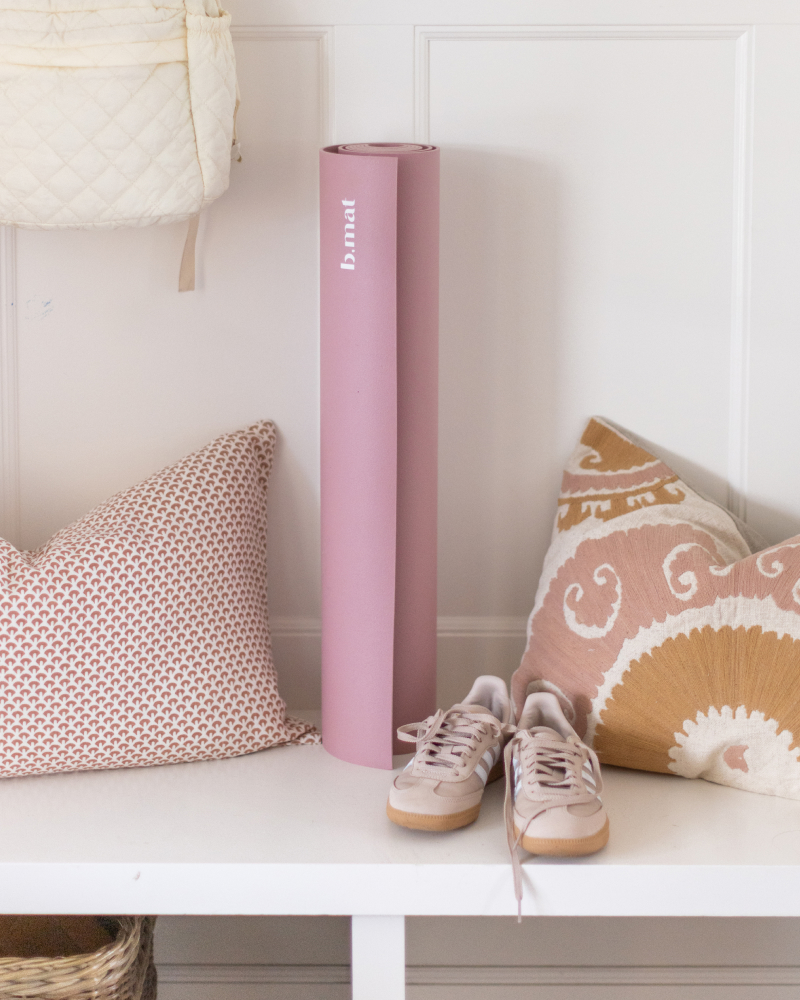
x: 570, y: 616
x: 777, y: 567
x: 688, y: 579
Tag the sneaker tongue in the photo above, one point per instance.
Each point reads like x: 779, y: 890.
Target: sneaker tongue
x: 546, y: 731
x: 476, y: 709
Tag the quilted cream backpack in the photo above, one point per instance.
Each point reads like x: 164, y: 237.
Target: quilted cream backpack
x: 114, y: 114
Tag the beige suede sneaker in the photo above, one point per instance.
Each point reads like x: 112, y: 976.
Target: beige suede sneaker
x: 553, y: 787
x: 458, y: 752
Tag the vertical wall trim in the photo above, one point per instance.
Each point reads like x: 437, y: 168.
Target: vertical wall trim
x: 739, y: 404
x: 9, y: 389
x: 422, y: 87
x: 327, y: 92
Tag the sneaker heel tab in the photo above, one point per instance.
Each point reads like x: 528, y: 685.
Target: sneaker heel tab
x: 538, y: 686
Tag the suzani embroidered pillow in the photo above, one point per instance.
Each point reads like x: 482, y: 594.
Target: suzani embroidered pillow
x: 139, y: 635
x: 674, y: 645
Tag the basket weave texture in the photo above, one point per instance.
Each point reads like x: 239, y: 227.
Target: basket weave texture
x: 122, y: 970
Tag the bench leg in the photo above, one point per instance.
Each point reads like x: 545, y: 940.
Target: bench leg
x: 378, y: 958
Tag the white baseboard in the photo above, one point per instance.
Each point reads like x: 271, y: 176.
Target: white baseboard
x: 448, y: 626
x: 228, y: 977
x: 267, y: 975
x: 469, y: 645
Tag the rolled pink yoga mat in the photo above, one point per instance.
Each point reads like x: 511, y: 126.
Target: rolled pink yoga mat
x: 379, y: 300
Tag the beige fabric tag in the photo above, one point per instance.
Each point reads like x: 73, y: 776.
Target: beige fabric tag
x: 186, y: 278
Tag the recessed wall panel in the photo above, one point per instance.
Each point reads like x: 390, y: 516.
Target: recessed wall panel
x: 587, y: 226
x: 774, y: 402
x: 120, y: 374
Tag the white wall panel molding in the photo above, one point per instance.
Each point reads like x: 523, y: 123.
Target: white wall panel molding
x: 9, y: 393
x: 448, y: 626
x: 323, y: 35
x: 426, y: 35
x: 739, y: 415
x: 469, y: 645
x: 235, y: 975
x: 466, y: 12
x: 294, y: 626
x: 743, y: 36
x: 480, y: 626
x: 232, y: 981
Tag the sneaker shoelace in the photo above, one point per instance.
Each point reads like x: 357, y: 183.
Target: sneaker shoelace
x: 445, y: 741
x: 556, y: 772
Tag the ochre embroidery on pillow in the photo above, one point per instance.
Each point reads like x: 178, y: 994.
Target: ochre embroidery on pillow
x: 606, y: 451
x: 609, y: 476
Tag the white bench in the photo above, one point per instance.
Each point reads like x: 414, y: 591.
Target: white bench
x: 295, y: 831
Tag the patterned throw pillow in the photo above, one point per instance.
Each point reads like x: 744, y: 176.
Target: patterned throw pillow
x: 673, y: 643
x: 139, y: 635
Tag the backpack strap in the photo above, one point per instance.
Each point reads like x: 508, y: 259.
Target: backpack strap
x: 202, y: 8
x: 186, y: 277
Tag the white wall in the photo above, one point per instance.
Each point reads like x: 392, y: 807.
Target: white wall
x: 620, y: 235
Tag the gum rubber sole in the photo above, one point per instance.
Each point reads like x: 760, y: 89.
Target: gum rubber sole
x: 440, y: 823
x: 555, y: 847
x: 436, y: 824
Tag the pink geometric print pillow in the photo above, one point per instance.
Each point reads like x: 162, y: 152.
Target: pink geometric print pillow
x: 140, y: 635
x: 672, y: 646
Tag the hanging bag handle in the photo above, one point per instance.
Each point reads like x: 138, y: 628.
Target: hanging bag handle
x: 186, y: 278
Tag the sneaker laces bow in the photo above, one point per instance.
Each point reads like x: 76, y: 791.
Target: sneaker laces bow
x: 445, y: 741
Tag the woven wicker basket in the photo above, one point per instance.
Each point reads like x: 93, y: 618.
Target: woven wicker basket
x: 122, y: 970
